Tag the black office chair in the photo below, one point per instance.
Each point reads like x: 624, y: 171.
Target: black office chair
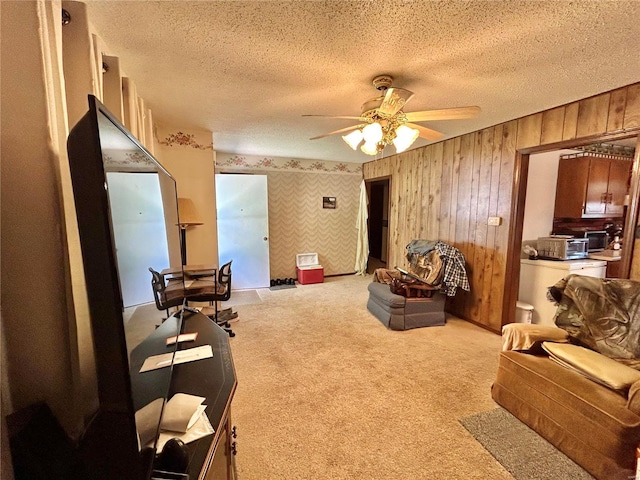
x: 165, y: 298
x: 208, y: 290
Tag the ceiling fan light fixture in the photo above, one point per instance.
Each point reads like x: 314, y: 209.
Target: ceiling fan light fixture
x: 370, y: 148
x: 405, y: 136
x: 353, y: 139
x: 372, y: 133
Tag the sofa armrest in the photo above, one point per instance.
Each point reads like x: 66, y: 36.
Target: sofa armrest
x: 525, y: 336
x: 633, y: 398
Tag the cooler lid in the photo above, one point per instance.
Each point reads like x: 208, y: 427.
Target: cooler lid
x: 310, y: 267
x: 306, y: 259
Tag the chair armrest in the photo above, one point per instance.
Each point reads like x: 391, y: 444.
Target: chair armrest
x: 524, y: 336
x: 633, y: 398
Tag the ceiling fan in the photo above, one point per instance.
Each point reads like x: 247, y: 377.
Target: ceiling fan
x: 383, y: 121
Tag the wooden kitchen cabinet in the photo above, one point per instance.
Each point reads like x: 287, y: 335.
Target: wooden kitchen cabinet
x: 591, y: 186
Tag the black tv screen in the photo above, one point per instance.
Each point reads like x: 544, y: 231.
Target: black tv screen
x: 115, y: 182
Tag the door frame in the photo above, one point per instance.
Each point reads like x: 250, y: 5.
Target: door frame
x: 516, y: 222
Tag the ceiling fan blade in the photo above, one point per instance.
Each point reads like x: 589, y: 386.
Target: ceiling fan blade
x: 353, y: 127
x: 444, y: 114
x: 334, y: 116
x: 426, y: 133
x: 394, y: 100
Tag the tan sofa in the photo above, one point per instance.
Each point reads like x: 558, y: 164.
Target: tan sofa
x: 595, y: 425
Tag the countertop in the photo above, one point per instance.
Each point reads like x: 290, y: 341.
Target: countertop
x: 565, y: 264
x: 606, y: 258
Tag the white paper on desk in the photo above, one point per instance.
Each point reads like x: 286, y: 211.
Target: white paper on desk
x: 200, y: 429
x: 182, y: 356
x: 147, y: 421
x: 181, y: 412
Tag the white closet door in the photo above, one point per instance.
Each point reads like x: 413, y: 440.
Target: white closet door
x: 243, y: 228
x: 137, y: 217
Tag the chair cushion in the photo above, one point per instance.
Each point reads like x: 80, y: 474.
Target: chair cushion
x: 384, y: 296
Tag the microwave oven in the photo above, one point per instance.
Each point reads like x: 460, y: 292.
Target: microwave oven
x: 598, y: 239
x: 563, y: 247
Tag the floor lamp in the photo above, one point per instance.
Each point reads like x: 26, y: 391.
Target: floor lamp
x: 187, y: 217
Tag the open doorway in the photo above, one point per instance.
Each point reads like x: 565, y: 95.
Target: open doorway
x: 378, y: 194
x: 584, y: 192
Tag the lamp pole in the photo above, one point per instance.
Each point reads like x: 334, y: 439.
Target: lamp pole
x: 187, y: 217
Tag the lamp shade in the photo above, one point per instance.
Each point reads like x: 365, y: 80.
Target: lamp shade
x: 405, y: 136
x: 369, y: 148
x: 372, y: 133
x: 353, y: 139
x: 187, y: 213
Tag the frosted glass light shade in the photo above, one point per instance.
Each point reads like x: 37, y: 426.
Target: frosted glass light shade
x: 369, y: 148
x: 372, y: 133
x: 353, y: 139
x: 405, y: 136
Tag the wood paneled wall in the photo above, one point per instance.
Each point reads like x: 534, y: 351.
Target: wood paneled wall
x: 447, y: 191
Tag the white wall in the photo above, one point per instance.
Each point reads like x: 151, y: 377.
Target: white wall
x: 541, y: 194
x: 190, y: 159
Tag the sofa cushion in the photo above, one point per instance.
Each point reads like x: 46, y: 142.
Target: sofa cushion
x: 593, y: 365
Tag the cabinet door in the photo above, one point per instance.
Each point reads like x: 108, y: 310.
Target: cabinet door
x: 573, y: 174
x: 596, y: 197
x: 619, y: 173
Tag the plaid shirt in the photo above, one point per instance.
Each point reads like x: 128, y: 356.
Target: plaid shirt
x: 455, y: 274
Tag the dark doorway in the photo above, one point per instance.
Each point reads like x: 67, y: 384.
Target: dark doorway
x: 378, y: 221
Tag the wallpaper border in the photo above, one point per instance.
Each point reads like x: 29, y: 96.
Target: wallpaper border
x: 250, y: 162
x: 183, y: 140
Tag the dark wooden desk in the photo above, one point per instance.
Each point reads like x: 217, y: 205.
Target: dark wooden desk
x: 213, y: 378
x: 191, y: 271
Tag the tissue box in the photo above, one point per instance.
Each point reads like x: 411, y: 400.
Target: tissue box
x: 308, y: 270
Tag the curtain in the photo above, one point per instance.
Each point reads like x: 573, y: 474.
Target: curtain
x: 362, y: 248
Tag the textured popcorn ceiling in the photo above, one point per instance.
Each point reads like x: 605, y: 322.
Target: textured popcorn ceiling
x: 248, y: 70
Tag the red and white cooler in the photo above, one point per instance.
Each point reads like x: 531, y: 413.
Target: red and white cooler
x: 308, y: 269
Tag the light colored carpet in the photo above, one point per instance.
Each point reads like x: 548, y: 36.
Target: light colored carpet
x: 325, y: 391
x: 241, y: 297
x: 524, y: 453
x: 141, y: 320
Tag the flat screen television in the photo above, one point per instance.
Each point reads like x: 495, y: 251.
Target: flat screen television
x: 103, y: 157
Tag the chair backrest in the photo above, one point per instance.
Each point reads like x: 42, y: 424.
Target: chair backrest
x: 157, y: 284
x: 224, y: 280
x: 164, y: 300
x: 224, y: 274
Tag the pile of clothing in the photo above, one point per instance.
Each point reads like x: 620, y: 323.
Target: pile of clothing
x: 438, y: 262
x: 433, y: 262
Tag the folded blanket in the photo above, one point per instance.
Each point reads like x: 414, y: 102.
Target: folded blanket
x: 601, y: 314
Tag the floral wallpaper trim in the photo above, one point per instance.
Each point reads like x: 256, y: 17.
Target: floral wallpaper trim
x: 300, y: 165
x: 184, y: 140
